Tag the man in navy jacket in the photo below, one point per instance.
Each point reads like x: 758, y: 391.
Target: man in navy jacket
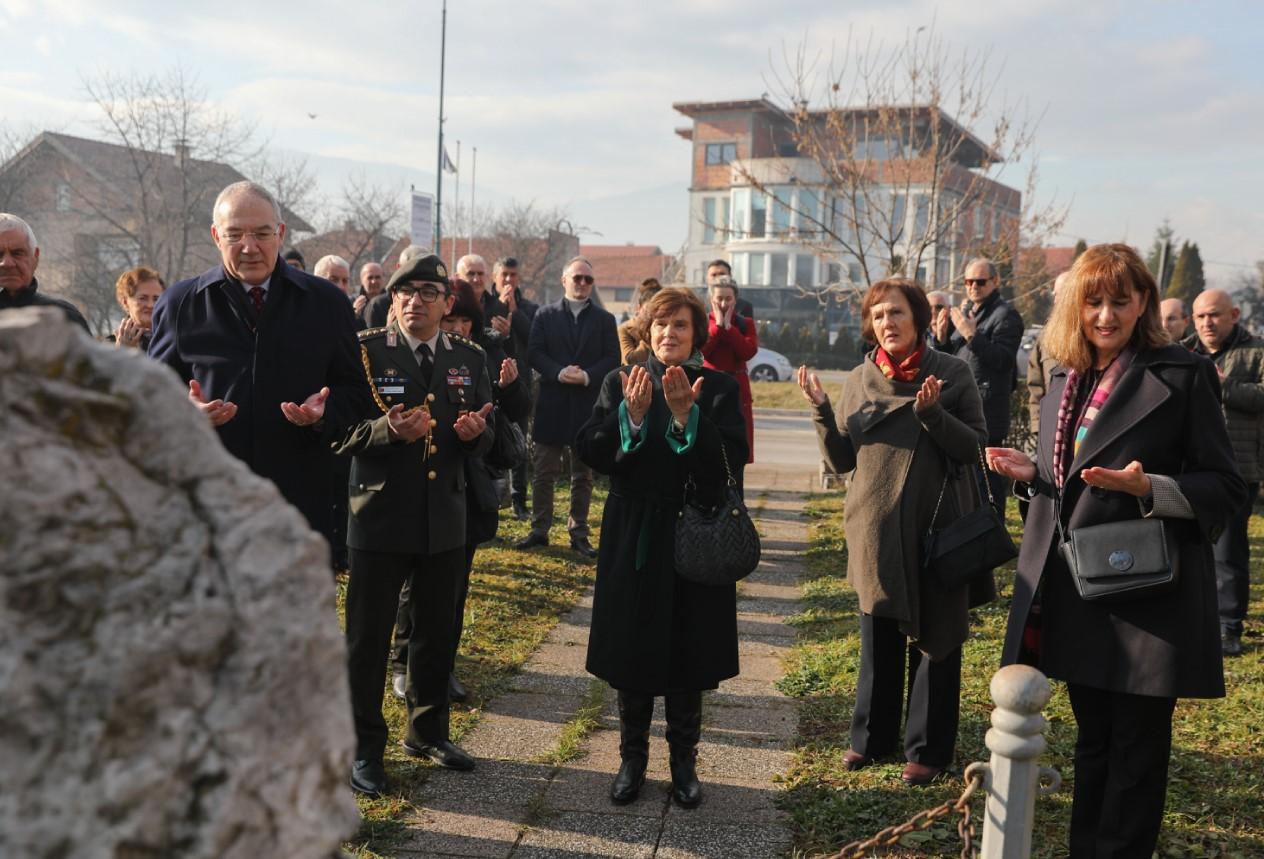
x: 269, y: 352
x: 573, y: 345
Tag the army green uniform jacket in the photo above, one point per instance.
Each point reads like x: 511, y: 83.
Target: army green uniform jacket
x: 410, y: 497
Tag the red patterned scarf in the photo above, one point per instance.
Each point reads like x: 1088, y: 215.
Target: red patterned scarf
x: 906, y: 370
x: 1076, y: 413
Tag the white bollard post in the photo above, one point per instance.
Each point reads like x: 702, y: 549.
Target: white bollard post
x: 1016, y: 741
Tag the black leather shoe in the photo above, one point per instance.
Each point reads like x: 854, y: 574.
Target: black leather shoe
x: 445, y: 754
x: 368, y: 778
x: 531, y: 541
x: 1231, y: 645
x: 919, y: 775
x: 456, y: 691
x: 628, y: 781
x: 520, y: 511
x: 581, y: 545
x: 686, y: 790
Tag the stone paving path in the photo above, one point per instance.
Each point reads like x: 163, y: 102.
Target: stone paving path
x: 514, y: 805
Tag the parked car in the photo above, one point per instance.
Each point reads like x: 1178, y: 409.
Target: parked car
x: 1024, y: 348
x: 769, y: 366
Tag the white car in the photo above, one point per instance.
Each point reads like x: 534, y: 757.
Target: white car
x: 769, y: 366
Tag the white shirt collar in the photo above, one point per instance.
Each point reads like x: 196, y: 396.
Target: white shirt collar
x: 264, y: 286
x: 413, y: 342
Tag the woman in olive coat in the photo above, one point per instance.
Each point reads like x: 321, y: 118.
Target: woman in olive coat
x: 910, y: 423
x: 1131, y: 427
x: 655, y: 426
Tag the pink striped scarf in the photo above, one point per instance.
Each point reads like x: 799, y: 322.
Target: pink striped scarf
x: 1081, y: 418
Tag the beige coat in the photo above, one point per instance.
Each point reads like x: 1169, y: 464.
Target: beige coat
x: 899, y: 458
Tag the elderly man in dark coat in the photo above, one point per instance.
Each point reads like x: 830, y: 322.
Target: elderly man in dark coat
x: 573, y: 345
x: 269, y: 353
x: 19, y: 257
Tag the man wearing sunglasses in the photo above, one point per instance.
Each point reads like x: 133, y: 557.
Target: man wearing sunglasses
x: 987, y: 332
x: 573, y: 345
x: 407, y: 523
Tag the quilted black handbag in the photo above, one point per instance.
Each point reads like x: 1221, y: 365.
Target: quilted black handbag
x: 970, y: 545
x: 716, y: 545
x: 509, y: 445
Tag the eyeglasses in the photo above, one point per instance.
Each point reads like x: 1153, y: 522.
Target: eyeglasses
x: 976, y: 281
x: 236, y: 237
x: 582, y: 278
x: 428, y: 294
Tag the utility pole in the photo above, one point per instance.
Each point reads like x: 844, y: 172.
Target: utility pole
x: 473, y: 171
x: 443, y: 45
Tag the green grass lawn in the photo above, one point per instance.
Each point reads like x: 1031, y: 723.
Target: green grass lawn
x: 1215, y: 804
x: 515, y: 599
x: 778, y: 395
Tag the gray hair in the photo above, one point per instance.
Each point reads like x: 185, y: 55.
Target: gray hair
x: 940, y: 294
x: 13, y: 222
x: 328, y: 261
x: 991, y: 266
x: 245, y: 186
x: 463, y: 263
x: 411, y: 252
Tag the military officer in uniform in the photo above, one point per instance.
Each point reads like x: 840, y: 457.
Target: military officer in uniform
x: 407, y: 513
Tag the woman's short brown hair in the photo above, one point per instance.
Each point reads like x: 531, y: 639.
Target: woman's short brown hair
x: 913, y: 294
x: 125, y: 288
x: 669, y: 299
x: 1117, y: 271
x: 648, y: 288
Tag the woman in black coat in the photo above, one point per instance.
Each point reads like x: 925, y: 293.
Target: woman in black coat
x: 1131, y: 426
x: 654, y: 426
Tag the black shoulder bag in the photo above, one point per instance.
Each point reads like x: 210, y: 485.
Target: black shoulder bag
x: 509, y: 445
x: 1117, y: 561
x: 970, y: 545
x: 715, y: 545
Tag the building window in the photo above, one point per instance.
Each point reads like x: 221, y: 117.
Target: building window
x: 721, y: 153
x: 855, y: 273
x: 804, y: 270
x: 834, y: 272
x: 715, y: 219
x: 623, y: 293
x: 809, y: 214
x: 758, y: 270
x: 782, y: 202
x: 741, y: 212
x: 779, y: 274
x: 759, y: 214
x: 63, y: 197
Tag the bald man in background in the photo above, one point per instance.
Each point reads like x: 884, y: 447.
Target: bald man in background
x: 1239, y: 359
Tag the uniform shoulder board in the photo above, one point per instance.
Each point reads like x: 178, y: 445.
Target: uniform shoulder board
x: 465, y: 341
x: 369, y: 333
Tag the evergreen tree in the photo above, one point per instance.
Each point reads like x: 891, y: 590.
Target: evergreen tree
x: 1163, y: 235
x: 1080, y: 247
x: 1187, y: 275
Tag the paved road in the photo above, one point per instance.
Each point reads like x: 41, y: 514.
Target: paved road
x: 785, y: 441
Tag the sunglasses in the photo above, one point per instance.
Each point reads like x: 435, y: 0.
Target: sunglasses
x: 976, y: 281
x: 582, y: 278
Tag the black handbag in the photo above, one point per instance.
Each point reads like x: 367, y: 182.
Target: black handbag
x: 509, y: 445
x: 715, y: 545
x: 1118, y: 561
x: 971, y: 545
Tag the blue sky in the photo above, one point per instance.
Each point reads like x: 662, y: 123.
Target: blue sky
x: 1150, y: 109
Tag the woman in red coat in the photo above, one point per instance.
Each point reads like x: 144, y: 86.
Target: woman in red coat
x: 731, y: 342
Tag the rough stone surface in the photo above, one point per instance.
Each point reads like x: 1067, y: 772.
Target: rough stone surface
x: 172, y: 677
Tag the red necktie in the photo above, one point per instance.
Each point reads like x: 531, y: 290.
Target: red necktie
x: 257, y: 294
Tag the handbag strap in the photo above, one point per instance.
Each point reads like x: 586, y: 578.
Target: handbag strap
x: 730, y: 480
x: 930, y: 529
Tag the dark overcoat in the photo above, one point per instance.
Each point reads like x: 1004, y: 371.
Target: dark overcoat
x: 1164, y: 413
x: 901, y: 459
x: 558, y: 340
x: 653, y: 631
x: 992, y: 354
x: 205, y: 328
x: 482, y: 498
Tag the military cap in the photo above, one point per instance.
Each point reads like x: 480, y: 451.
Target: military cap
x: 428, y: 268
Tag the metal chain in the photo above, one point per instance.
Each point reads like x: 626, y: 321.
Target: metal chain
x: 889, y: 837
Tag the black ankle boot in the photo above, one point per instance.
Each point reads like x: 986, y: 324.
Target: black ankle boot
x: 684, y: 728
x: 635, y: 711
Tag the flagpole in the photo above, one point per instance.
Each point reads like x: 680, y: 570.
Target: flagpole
x: 443, y: 45
x: 456, y: 202
x: 473, y: 173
